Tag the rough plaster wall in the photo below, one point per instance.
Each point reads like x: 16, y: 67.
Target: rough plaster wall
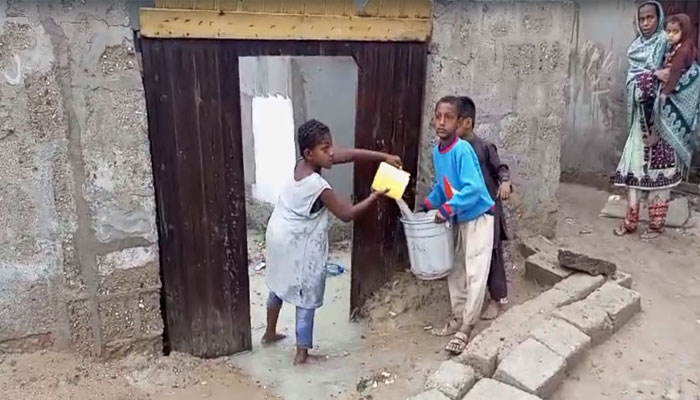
x: 78, y: 259
x: 597, y: 122
x: 512, y: 58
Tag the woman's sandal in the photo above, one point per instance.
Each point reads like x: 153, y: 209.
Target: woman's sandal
x: 651, y: 234
x: 448, y: 330
x: 458, y: 343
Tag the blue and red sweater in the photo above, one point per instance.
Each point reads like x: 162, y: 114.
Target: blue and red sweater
x: 460, y: 192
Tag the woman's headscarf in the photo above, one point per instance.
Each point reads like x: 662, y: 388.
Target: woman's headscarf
x: 647, y: 54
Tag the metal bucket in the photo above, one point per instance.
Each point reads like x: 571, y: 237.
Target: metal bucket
x: 430, y: 246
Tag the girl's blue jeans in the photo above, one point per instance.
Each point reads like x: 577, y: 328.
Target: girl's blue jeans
x: 304, y: 323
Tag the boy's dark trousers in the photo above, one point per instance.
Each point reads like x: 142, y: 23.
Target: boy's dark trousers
x: 497, y: 281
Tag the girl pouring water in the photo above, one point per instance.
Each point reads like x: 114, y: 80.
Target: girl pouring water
x: 297, y: 233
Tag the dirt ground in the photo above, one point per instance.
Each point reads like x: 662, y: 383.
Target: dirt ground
x: 53, y: 376
x: 657, y: 355
x: 388, y: 354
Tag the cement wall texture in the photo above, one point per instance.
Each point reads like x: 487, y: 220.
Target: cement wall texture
x: 596, y: 127
x: 78, y: 256
x: 512, y: 58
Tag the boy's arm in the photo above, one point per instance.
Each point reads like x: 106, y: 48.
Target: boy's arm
x: 344, y: 156
x: 435, y: 198
x: 497, y: 168
x: 473, y: 184
x: 501, y: 172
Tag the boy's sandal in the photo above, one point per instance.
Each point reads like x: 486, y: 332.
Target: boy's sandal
x: 448, y: 330
x: 458, y: 343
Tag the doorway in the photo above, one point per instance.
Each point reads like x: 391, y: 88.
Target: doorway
x: 278, y: 94
x: 195, y: 128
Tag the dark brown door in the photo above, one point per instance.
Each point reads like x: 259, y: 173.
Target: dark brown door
x: 689, y: 7
x: 194, y: 128
x: 192, y: 92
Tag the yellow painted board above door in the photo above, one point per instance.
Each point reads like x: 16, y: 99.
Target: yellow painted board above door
x: 205, y: 24
x: 368, y: 8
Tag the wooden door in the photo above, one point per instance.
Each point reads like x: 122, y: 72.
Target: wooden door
x: 389, y: 110
x: 194, y: 128
x: 192, y: 92
x: 689, y: 7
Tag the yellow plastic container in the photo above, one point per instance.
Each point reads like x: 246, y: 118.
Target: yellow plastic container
x: 392, y: 178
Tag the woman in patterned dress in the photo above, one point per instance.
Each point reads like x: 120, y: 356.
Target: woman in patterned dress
x: 661, y: 138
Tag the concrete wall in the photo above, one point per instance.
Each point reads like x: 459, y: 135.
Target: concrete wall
x: 597, y: 121
x: 512, y: 58
x: 78, y: 255
x: 324, y: 88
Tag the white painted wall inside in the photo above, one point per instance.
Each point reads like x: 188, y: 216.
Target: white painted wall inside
x: 275, y: 151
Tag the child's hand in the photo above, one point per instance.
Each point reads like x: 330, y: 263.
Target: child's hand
x: 375, y: 195
x: 504, y: 190
x: 439, y: 218
x: 394, y: 160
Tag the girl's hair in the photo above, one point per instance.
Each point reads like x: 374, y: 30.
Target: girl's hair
x: 310, y: 133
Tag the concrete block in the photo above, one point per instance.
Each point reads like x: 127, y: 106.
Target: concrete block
x: 150, y: 346
x: 589, y: 319
x: 532, y: 367
x: 537, y: 244
x: 678, y: 211
x: 452, y: 379
x: 544, y: 269
x: 583, y: 263
x: 123, y: 281
x: 564, y: 339
x: 489, y: 389
x: 510, y: 329
x: 620, y: 303
x: 118, y: 318
x: 134, y: 257
x: 432, y: 394
x: 82, y: 334
x: 481, y: 354
x: 623, y: 279
x: 150, y: 317
x: 577, y: 287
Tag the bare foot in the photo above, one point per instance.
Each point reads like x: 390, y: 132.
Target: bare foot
x: 270, y: 338
x: 491, y: 312
x: 306, y: 358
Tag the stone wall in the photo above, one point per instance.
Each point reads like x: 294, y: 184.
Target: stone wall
x: 596, y: 128
x: 512, y: 58
x: 78, y: 254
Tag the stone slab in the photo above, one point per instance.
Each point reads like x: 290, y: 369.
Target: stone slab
x: 493, y: 344
x: 564, y: 339
x: 489, y: 389
x: 577, y: 287
x: 432, y: 394
x: 452, y: 379
x: 583, y: 263
x: 544, y: 269
x: 623, y: 279
x: 620, y: 303
x: 533, y: 368
x: 678, y: 211
x: 589, y: 318
x: 537, y: 244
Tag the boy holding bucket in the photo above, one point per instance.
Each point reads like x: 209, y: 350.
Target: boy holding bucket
x: 460, y: 196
